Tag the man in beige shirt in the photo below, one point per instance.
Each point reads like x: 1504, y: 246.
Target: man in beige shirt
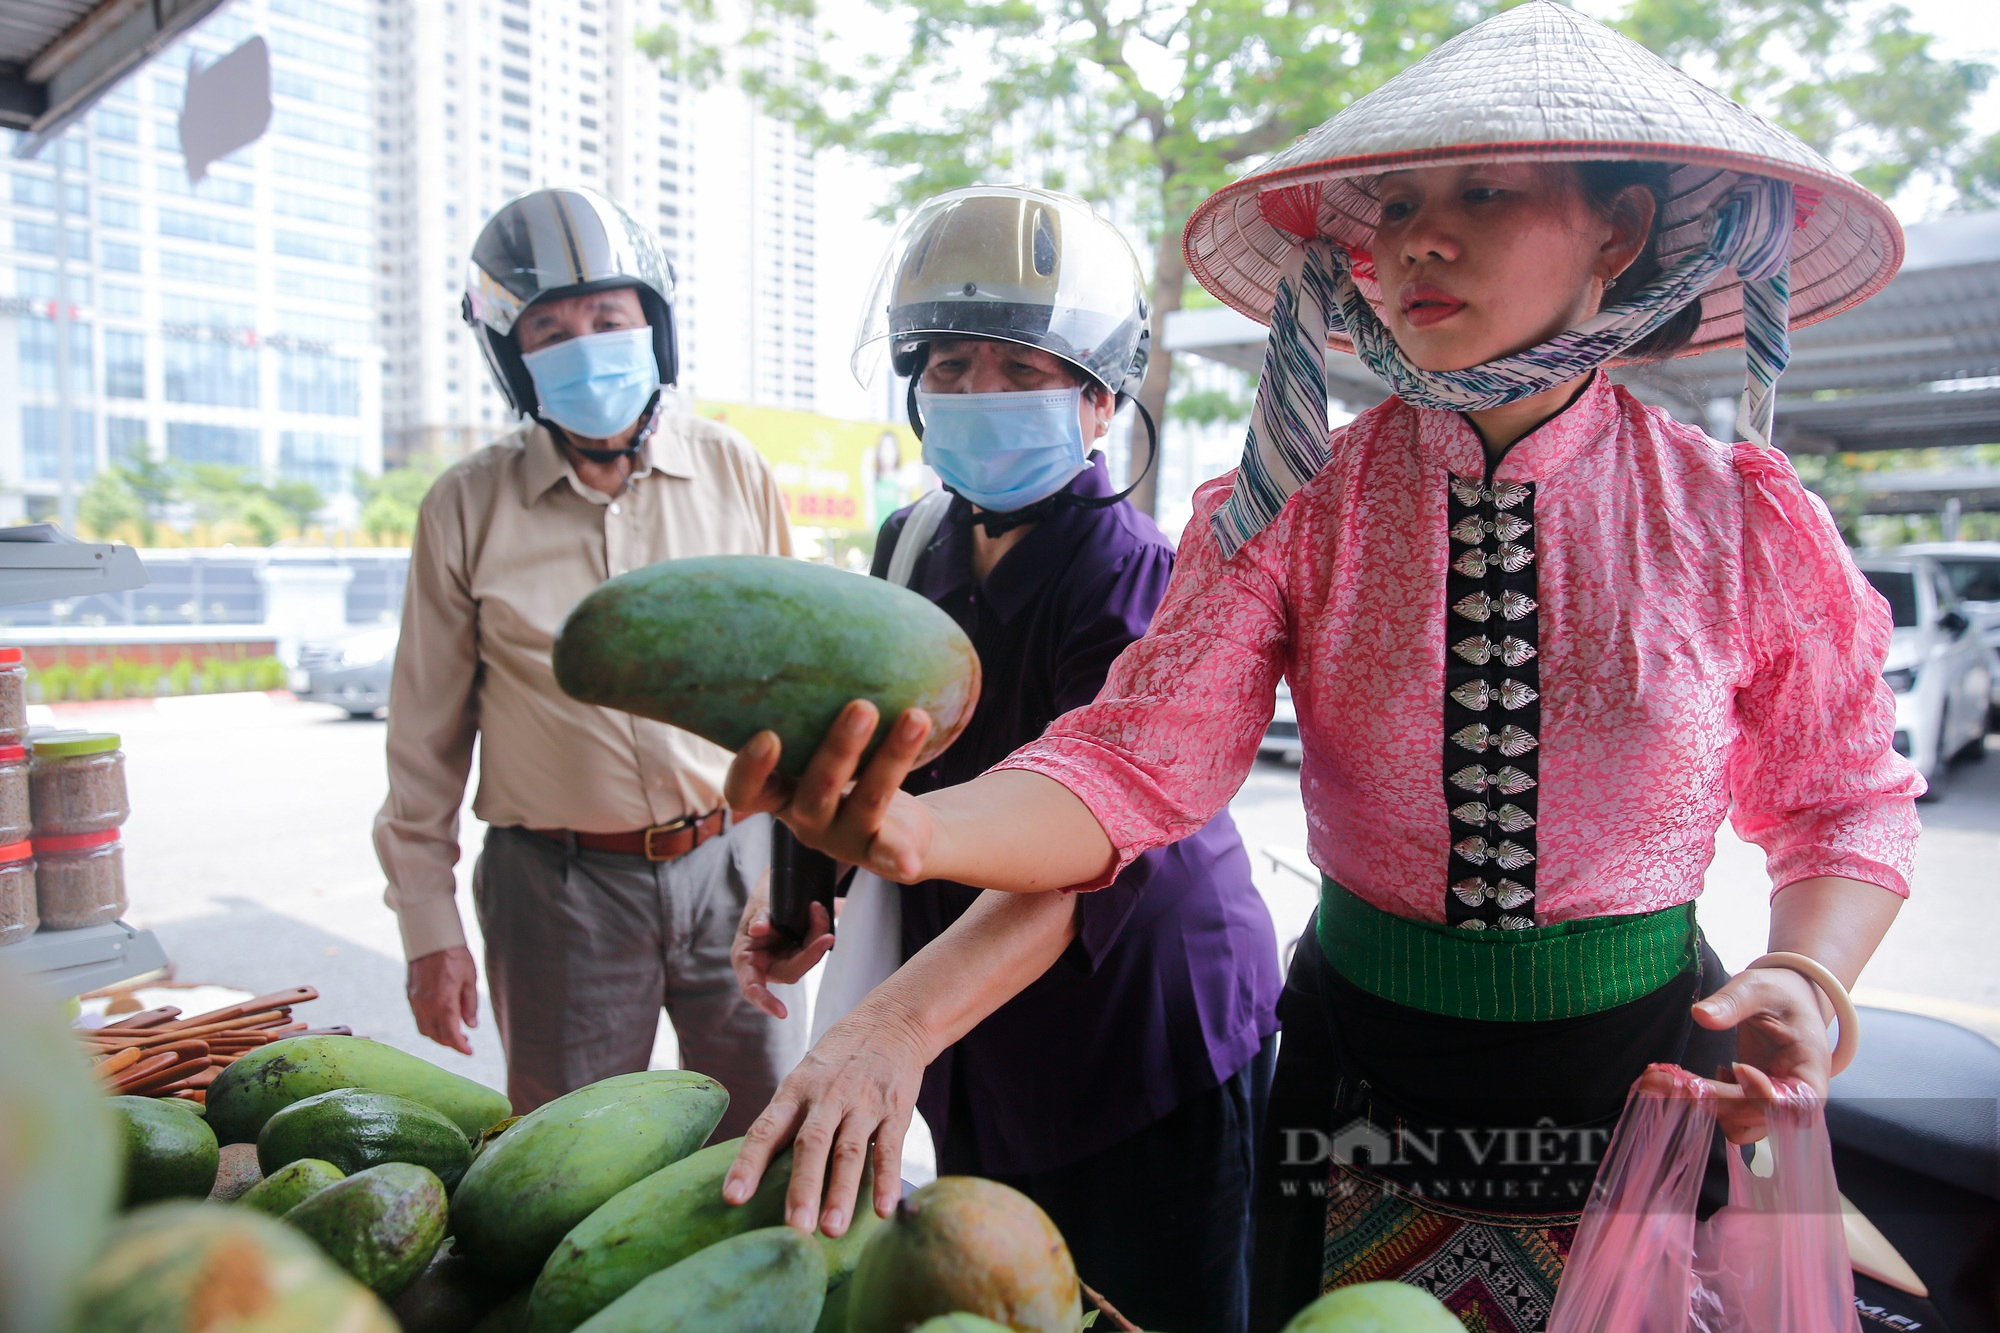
x: 611, y: 879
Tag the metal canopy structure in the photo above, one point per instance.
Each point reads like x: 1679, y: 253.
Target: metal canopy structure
x: 1916, y: 367
x: 57, y: 57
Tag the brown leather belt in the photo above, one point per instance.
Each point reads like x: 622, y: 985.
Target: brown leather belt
x: 662, y: 842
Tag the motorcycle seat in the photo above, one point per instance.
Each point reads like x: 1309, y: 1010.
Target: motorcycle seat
x: 1923, y: 1095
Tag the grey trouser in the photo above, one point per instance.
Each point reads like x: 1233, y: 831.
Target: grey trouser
x: 583, y: 948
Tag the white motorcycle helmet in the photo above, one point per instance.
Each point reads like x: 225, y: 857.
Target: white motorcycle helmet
x: 1019, y: 265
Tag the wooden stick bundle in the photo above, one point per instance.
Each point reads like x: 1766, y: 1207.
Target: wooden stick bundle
x: 158, y: 1052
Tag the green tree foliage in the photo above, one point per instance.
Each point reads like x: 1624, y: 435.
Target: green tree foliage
x: 389, y: 502
x: 1150, y: 105
x: 145, y: 493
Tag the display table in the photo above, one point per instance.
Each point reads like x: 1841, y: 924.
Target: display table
x: 71, y: 962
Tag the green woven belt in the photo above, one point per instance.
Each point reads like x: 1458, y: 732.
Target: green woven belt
x: 1565, y: 970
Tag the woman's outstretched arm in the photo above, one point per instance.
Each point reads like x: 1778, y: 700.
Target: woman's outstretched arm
x: 1009, y: 830
x: 858, y: 1085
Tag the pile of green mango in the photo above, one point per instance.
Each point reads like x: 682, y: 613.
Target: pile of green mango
x: 371, y: 1191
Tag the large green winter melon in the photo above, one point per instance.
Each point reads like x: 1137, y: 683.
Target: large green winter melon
x: 60, y: 1154
x: 178, y: 1267
x: 727, y: 646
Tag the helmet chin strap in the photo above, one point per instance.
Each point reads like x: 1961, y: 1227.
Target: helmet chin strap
x: 651, y: 417
x: 997, y: 523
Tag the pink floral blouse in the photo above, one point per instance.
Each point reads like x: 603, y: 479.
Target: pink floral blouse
x: 1525, y: 697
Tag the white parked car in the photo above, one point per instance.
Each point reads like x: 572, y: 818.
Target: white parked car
x: 1281, y: 737
x: 1974, y: 571
x: 1940, y: 670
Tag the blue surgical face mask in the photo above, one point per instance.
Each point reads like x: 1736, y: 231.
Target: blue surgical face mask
x: 1004, y: 451
x: 597, y: 385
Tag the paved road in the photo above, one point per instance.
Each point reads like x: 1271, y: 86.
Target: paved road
x: 249, y: 853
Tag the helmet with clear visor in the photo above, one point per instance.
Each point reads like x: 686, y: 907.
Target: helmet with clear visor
x: 554, y: 243
x: 1025, y: 266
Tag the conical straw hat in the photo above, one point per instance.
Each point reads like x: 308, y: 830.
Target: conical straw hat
x: 1545, y: 83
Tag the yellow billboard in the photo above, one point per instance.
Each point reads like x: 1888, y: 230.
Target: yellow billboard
x: 840, y: 476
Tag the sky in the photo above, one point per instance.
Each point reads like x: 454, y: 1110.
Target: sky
x: 850, y: 244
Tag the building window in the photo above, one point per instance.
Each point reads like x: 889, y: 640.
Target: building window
x: 201, y: 227
x: 326, y: 461
x: 124, y: 364
x: 206, y: 271
x: 213, y: 189
x: 120, y: 256
x: 39, y: 238
x: 122, y: 214
x: 118, y: 125
x: 512, y: 98
x: 125, y: 441
x: 41, y: 451
x: 117, y: 169
x: 123, y: 300
x: 216, y: 374
x: 31, y: 191
x: 323, y: 385
x: 303, y: 245
x: 201, y: 442
x: 38, y: 355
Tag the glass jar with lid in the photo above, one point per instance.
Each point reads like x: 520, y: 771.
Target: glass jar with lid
x: 19, y: 914
x: 15, y: 821
x: 76, y: 784
x: 13, y: 696
x: 79, y: 879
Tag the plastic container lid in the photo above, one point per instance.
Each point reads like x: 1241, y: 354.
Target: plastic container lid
x: 12, y: 754
x: 16, y: 851
x: 10, y: 657
x: 74, y: 842
x: 74, y: 744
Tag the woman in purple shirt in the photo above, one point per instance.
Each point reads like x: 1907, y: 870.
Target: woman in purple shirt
x: 1121, y: 1087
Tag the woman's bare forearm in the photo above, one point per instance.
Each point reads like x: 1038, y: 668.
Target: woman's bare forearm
x: 1002, y: 943
x: 1015, y: 831
x: 1836, y: 922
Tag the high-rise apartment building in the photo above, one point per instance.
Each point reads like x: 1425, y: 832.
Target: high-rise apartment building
x: 231, y: 322
x: 482, y: 99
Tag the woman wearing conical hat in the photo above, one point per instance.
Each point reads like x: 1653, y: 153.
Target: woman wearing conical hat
x: 1541, y: 638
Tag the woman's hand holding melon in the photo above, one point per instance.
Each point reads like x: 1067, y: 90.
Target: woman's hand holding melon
x: 864, y: 818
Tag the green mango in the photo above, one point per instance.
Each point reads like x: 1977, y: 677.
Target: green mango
x: 451, y: 1295
x: 965, y: 1244
x: 491, y: 1133
x: 381, y: 1225
x: 961, y: 1323
x: 61, y: 1150
x: 291, y: 1185
x: 510, y: 1316
x: 356, y: 1130
x: 1376, y: 1307
x: 833, y: 1314
x: 217, y: 1268
x: 767, y: 1281
x: 256, y: 1086
x: 168, y: 1154
x: 237, y: 1173
x: 727, y: 646
x: 648, y: 1226
x: 557, y: 1164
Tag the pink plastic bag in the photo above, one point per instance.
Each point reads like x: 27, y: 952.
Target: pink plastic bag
x: 1774, y: 1260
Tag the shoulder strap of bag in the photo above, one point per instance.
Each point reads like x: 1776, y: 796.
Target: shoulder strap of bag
x: 918, y: 529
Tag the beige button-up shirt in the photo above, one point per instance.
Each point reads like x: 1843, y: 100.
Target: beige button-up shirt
x: 508, y: 541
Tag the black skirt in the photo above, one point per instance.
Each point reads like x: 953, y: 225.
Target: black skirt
x: 1485, y: 1118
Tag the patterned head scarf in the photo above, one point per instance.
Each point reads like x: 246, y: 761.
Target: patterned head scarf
x: 1757, y: 226
x: 1288, y: 442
